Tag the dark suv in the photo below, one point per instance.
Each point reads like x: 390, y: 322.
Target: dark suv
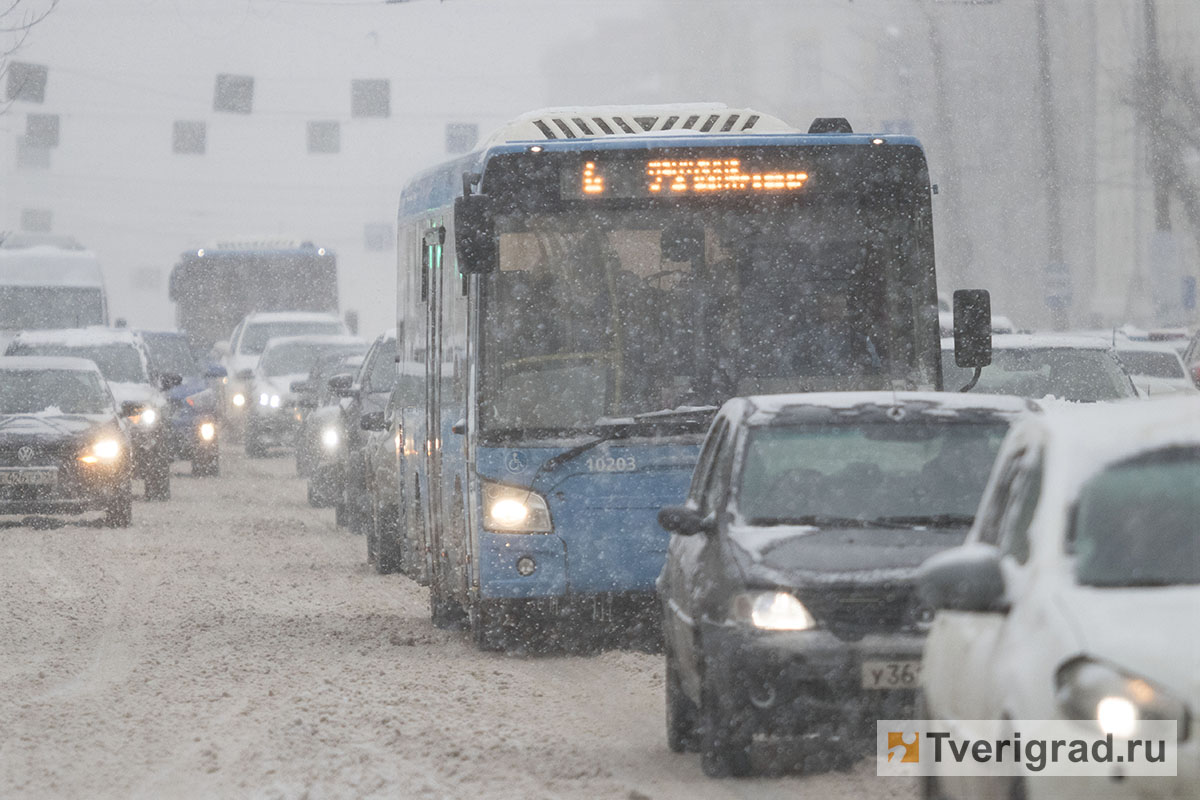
x: 364, y: 401
x: 788, y: 592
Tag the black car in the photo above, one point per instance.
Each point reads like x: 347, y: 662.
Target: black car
x: 314, y: 393
x: 64, y: 449
x: 193, y: 407
x: 365, y: 399
x: 123, y: 360
x: 788, y: 590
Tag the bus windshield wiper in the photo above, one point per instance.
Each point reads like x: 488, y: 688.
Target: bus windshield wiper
x: 929, y: 520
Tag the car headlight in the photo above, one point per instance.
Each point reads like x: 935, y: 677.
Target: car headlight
x: 102, y: 451
x: 270, y: 400
x: 146, y: 418
x: 1114, y: 700
x: 330, y: 438
x: 512, y: 509
x: 771, y: 611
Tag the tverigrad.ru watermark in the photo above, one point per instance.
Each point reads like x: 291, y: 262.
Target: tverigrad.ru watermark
x: 1023, y: 747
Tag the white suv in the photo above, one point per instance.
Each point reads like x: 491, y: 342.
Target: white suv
x: 239, y: 355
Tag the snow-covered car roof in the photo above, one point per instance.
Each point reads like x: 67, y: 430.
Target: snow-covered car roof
x: 1087, y: 438
x: 80, y: 337
x: 1041, y: 341
x: 27, y: 363
x: 765, y: 408
x: 290, y: 316
x: 1143, y: 346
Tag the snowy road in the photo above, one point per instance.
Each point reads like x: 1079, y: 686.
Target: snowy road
x: 233, y: 643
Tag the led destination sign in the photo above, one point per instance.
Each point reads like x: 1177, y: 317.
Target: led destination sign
x: 661, y: 177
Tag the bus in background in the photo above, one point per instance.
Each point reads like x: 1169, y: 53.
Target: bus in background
x: 215, y: 287
x: 582, y: 294
x: 48, y: 281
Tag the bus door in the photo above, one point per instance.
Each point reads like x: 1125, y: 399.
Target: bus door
x: 432, y: 242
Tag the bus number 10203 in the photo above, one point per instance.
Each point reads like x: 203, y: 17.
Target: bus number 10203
x: 610, y: 464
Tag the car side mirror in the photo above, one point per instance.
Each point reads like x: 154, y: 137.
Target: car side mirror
x: 215, y: 371
x: 966, y: 578
x: 972, y: 328
x: 342, y: 385
x: 685, y: 521
x: 474, y: 235
x: 131, y: 408
x: 459, y: 427
x: 245, y: 375
x: 373, y: 421
x: 169, y: 380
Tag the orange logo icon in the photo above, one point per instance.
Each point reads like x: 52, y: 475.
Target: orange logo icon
x: 911, y: 750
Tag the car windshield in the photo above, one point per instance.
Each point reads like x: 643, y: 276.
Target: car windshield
x: 1069, y: 373
x: 118, y: 362
x: 384, y: 374
x: 1152, y: 363
x: 171, y: 354
x: 1135, y: 523
x: 68, y: 391
x: 256, y: 335
x: 296, y: 357
x: 874, y: 470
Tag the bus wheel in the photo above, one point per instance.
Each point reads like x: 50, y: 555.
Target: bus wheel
x: 444, y: 612
x: 487, y: 626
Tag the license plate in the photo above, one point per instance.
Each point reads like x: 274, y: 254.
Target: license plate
x: 891, y: 674
x: 28, y: 477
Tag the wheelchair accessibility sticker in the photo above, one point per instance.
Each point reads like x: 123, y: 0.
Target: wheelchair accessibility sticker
x: 516, y: 461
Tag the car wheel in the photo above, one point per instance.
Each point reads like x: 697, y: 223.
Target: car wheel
x: 372, y: 538
x: 387, y: 539
x: 254, y: 446
x: 206, y: 465
x: 158, y: 480
x: 727, y: 736
x: 120, y: 513
x: 681, y: 712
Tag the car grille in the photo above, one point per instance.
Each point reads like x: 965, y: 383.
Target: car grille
x: 852, y: 612
x: 45, y: 454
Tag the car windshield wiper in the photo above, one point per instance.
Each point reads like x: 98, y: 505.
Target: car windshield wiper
x: 930, y: 520
x: 814, y: 520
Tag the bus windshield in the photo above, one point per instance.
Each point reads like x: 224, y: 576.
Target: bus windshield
x: 598, y: 313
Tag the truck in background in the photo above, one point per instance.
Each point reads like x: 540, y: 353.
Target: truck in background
x: 48, y: 281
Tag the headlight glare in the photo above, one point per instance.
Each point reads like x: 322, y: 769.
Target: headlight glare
x: 101, y: 451
x: 239, y: 399
x: 1114, y: 700
x: 330, y: 438
x: 207, y: 431
x: 513, y: 509
x: 772, y: 611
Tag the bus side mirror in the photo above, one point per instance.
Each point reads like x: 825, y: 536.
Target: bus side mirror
x: 972, y: 328
x: 475, y: 235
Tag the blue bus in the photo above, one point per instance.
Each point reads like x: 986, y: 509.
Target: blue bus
x: 585, y: 290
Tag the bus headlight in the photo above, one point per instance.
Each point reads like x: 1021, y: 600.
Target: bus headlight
x: 207, y: 431
x: 513, y: 509
x: 104, y: 451
x: 239, y: 399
